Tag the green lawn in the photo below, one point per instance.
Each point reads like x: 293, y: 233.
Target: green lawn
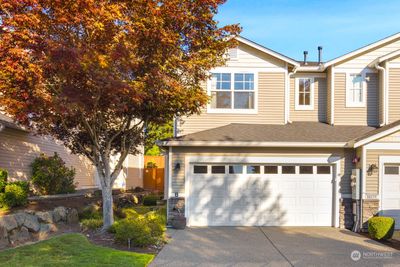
x: 70, y: 250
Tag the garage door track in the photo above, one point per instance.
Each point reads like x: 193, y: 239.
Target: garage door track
x: 273, y: 246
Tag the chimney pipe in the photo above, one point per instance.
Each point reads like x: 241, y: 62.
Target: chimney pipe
x: 305, y: 57
x: 319, y: 54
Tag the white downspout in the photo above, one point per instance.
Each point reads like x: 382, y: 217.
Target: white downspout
x: 288, y: 93
x: 385, y: 119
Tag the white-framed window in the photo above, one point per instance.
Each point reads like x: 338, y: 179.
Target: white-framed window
x: 233, y: 92
x: 304, y: 94
x: 355, y: 90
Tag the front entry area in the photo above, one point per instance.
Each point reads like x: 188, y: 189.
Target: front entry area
x: 390, y: 192
x: 260, y: 194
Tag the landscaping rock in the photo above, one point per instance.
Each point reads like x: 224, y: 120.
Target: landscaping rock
x: 31, y: 222
x: 45, y: 216
x: 3, y: 238
x: 47, y: 228
x: 20, y: 218
x: 59, y: 214
x: 72, y: 217
x: 8, y: 222
x: 19, y: 236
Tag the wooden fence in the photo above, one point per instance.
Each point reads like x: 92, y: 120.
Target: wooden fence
x: 153, y: 178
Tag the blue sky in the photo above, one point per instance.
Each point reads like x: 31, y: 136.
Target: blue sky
x: 292, y: 26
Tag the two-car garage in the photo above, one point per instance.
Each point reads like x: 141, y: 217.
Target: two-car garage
x: 260, y: 192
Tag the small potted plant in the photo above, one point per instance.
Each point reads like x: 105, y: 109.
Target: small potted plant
x: 179, y: 220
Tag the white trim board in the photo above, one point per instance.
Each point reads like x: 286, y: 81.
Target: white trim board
x: 376, y: 136
x: 382, y: 161
x: 251, y: 144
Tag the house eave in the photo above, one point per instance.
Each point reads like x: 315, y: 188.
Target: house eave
x: 177, y: 143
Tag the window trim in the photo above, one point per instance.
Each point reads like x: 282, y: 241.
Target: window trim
x: 296, y: 97
x: 232, y: 91
x: 362, y: 104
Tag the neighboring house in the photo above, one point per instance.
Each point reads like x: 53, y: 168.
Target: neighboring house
x: 18, y: 148
x: 280, y: 138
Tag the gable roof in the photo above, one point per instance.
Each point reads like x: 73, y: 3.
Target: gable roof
x: 296, y: 134
x: 376, y: 134
x: 362, y: 49
x: 388, y: 56
x: 267, y: 50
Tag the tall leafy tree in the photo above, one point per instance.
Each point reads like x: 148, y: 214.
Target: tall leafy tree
x: 93, y: 73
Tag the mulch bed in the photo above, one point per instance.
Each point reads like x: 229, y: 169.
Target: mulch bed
x: 106, y: 239
x: 393, y: 243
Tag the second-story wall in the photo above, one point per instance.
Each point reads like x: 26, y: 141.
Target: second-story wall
x: 366, y: 115
x: 318, y: 113
x: 394, y: 94
x: 271, y: 106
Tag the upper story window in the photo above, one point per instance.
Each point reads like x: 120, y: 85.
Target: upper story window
x: 355, y: 90
x: 233, y: 92
x: 304, y: 94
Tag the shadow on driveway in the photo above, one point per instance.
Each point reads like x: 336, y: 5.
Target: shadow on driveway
x: 272, y: 246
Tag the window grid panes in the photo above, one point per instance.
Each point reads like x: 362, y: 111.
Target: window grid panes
x: 288, y: 169
x: 235, y: 169
x: 199, y: 169
x: 271, y: 169
x: 304, y: 92
x: 307, y: 169
x: 324, y: 169
x: 356, y: 88
x: 392, y: 170
x: 253, y: 169
x: 233, y: 91
x: 218, y: 169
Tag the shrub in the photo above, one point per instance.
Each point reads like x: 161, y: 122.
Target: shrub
x: 14, y: 195
x: 381, y: 228
x: 142, y: 231
x: 51, y: 176
x: 150, y: 200
x: 92, y: 224
x: 90, y: 212
x: 3, y: 179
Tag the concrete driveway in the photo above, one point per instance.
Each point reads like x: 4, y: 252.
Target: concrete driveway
x: 272, y: 246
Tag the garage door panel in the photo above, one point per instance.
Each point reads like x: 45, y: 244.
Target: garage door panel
x: 390, y: 205
x: 262, y: 199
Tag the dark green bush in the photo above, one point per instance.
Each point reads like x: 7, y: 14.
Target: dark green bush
x: 90, y: 212
x: 14, y: 195
x: 92, y: 224
x: 3, y: 179
x: 51, y: 176
x: 381, y: 228
x: 141, y: 230
x: 150, y: 200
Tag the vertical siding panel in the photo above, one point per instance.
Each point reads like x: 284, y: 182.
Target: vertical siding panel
x: 18, y: 149
x: 319, y: 111
x: 357, y: 115
x: 394, y: 94
x: 271, y: 105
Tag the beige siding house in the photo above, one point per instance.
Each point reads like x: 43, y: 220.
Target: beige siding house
x: 18, y: 148
x: 295, y: 143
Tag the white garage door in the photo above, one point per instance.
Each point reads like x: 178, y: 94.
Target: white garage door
x: 254, y: 195
x: 391, y: 193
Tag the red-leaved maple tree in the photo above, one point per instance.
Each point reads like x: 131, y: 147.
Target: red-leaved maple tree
x: 94, y: 73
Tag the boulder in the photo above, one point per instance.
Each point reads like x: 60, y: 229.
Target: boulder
x: 72, y: 217
x: 31, y: 222
x: 45, y: 216
x: 8, y: 222
x: 19, y: 236
x: 3, y: 238
x: 60, y: 214
x: 20, y: 218
x: 47, y: 228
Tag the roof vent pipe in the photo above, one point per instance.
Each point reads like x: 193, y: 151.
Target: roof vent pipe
x: 305, y: 57
x: 319, y: 54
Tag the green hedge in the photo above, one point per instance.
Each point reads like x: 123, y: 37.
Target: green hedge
x: 150, y: 200
x: 15, y: 195
x: 381, y: 228
x: 51, y: 176
x: 3, y: 179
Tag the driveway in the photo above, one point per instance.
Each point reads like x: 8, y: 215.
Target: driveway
x: 272, y: 246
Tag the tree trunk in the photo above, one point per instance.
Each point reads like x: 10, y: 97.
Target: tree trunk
x: 108, y: 214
